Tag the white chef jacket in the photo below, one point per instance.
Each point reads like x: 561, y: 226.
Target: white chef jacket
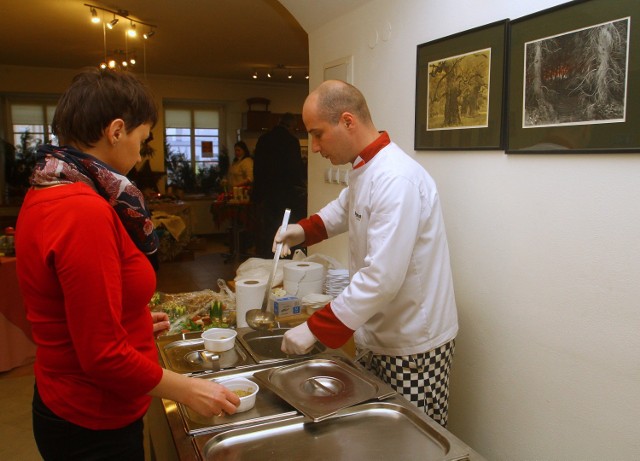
x: 400, y: 299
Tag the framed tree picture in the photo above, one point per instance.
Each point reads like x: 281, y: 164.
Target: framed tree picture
x: 574, y: 79
x: 460, y: 90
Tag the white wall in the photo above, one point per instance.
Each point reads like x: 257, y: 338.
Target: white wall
x: 544, y: 249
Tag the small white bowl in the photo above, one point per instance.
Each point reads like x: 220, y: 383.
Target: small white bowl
x: 242, y: 384
x: 219, y: 339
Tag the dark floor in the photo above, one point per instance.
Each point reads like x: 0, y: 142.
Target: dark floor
x: 199, y: 267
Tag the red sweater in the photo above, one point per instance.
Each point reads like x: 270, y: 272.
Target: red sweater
x: 86, y: 287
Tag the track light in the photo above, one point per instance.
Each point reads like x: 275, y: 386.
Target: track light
x: 280, y: 72
x: 123, y: 14
x: 94, y: 16
x: 149, y: 34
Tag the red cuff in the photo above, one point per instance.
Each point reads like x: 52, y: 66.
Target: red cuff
x: 328, y: 329
x: 314, y: 230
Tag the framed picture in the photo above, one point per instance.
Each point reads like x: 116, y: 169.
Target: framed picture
x: 574, y: 79
x: 460, y: 90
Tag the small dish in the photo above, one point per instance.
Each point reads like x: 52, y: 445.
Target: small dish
x: 219, y: 339
x: 245, y: 389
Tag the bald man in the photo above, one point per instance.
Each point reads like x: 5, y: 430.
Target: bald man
x: 399, y: 305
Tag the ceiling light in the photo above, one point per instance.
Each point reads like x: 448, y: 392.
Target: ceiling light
x: 94, y: 16
x: 149, y: 34
x: 268, y: 74
x: 111, y: 24
x: 290, y: 75
x: 132, y: 31
x: 112, y: 64
x: 132, y: 60
x: 255, y: 74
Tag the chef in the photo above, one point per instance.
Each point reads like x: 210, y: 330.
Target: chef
x: 399, y: 304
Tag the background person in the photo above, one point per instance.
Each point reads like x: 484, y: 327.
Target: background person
x: 84, y: 238
x: 241, y: 169
x: 279, y: 181
x: 400, y: 302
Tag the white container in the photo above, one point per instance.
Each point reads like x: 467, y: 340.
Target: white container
x: 242, y: 384
x: 219, y: 339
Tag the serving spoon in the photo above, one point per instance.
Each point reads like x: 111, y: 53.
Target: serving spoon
x: 262, y: 319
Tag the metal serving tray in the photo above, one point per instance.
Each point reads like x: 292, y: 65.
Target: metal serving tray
x: 185, y: 354
x: 264, y: 346
x: 268, y: 407
x: 390, y: 430
x: 320, y: 387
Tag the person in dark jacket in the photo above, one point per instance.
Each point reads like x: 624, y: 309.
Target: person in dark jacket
x: 279, y: 181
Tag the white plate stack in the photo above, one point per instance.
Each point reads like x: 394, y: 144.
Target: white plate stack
x: 315, y: 301
x: 335, y: 281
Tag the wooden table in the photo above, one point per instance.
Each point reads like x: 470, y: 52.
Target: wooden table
x: 16, y: 345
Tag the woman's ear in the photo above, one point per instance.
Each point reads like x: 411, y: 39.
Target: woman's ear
x: 114, y: 131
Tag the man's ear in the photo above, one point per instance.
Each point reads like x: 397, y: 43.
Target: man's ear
x: 347, y: 119
x: 114, y: 131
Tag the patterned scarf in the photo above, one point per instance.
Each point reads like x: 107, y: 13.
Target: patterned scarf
x: 66, y: 165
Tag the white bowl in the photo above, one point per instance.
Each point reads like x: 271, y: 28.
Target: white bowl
x: 219, y: 339
x: 242, y: 384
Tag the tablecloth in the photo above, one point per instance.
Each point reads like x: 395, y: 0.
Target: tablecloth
x: 16, y: 346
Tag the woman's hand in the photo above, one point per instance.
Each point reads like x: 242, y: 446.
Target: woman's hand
x: 208, y: 398
x: 160, y: 323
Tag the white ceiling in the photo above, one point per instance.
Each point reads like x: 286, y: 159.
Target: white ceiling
x: 225, y: 39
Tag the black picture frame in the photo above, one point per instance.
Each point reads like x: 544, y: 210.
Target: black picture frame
x: 462, y: 109
x: 565, y: 94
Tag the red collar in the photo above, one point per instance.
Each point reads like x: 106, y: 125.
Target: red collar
x: 372, y: 149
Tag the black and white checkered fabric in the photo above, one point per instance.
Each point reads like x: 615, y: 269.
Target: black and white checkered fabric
x: 423, y: 379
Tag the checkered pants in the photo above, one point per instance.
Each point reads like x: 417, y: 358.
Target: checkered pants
x: 423, y: 379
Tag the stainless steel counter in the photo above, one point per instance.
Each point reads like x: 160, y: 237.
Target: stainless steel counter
x: 381, y: 426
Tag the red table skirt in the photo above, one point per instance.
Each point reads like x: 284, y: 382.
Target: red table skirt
x: 16, y: 346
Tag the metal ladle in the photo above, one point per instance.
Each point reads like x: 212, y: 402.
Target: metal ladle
x: 262, y: 319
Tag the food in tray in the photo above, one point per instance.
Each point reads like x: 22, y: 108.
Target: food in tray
x: 195, y: 311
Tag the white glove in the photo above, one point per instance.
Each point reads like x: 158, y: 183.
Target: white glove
x: 298, y: 340
x: 294, y: 235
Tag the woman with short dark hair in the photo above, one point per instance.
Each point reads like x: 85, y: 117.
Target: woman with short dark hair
x: 86, y: 246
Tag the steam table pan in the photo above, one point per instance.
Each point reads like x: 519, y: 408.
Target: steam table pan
x: 320, y: 387
x: 185, y: 354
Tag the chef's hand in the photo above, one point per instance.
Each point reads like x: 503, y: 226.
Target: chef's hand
x: 160, y: 323
x: 298, y: 340
x: 294, y: 235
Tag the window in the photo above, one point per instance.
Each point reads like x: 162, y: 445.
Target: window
x: 192, y: 150
x: 31, y: 125
x: 28, y: 126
